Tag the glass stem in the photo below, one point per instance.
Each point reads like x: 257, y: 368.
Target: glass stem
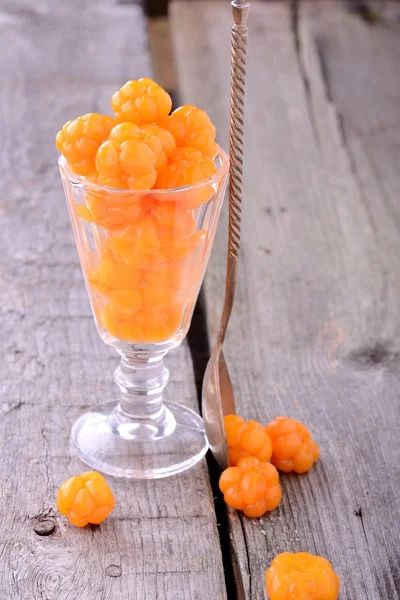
x: 141, y: 381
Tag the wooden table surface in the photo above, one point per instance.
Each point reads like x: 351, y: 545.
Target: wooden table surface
x: 316, y: 326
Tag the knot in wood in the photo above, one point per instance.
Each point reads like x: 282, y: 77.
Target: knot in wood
x: 113, y: 571
x: 44, y: 527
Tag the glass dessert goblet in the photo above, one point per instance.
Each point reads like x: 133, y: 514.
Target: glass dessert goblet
x: 143, y: 257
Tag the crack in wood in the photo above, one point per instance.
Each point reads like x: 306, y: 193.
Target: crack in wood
x: 246, y: 548
x: 16, y: 406
x: 358, y: 513
x: 294, y: 7
x: 339, y: 116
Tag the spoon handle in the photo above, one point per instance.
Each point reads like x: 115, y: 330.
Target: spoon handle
x: 238, y: 80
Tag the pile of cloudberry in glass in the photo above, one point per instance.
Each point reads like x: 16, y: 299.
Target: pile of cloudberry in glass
x: 150, y: 253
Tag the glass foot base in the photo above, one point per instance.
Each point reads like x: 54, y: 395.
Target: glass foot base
x: 110, y: 441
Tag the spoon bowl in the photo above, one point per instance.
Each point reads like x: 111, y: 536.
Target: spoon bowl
x: 218, y: 401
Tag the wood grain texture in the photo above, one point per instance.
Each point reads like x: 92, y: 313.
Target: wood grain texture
x: 162, y: 540
x: 316, y: 325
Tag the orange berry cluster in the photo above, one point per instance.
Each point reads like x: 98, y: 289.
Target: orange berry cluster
x: 293, y: 447
x: 150, y: 254
x: 251, y: 486
x: 246, y: 438
x: 85, y: 499
x: 301, y: 576
x: 286, y: 442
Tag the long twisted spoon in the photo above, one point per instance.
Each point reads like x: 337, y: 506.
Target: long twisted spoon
x: 218, y: 397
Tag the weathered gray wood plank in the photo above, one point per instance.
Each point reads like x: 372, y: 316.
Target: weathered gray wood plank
x: 315, y: 331
x: 162, y: 540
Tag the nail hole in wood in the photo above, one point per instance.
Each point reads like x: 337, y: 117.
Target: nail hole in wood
x: 44, y: 527
x: 114, y: 571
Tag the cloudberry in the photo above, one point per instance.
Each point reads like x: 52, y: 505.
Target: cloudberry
x: 246, y: 438
x: 176, y: 249
x: 151, y: 324
x: 128, y: 165
x: 108, y: 212
x: 125, y: 251
x: 166, y: 138
x: 191, y: 126
x: 129, y: 131
x: 188, y: 167
x: 293, y: 449
x: 141, y: 102
x: 85, y: 499
x: 112, y: 274
x: 301, y: 576
x: 80, y: 139
x: 252, y: 486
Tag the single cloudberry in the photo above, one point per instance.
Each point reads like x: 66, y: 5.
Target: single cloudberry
x: 121, y: 326
x: 156, y: 296
x: 161, y: 322
x: 151, y: 324
x: 146, y: 238
x: 124, y: 250
x: 251, y: 486
x: 84, y: 213
x: 108, y: 212
x: 141, y: 102
x: 129, y: 131
x: 191, y: 126
x: 188, y: 167
x: 166, y: 138
x: 176, y: 249
x: 127, y: 301
x: 293, y: 449
x: 175, y: 274
x: 85, y: 499
x: 172, y: 221
x: 128, y: 165
x: 125, y: 131
x: 246, y: 438
x: 301, y: 576
x: 80, y: 139
x: 112, y: 274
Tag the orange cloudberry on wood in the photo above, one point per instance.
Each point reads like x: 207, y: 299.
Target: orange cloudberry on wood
x: 85, y: 498
x: 251, y: 486
x: 246, y: 438
x: 293, y: 449
x: 301, y: 576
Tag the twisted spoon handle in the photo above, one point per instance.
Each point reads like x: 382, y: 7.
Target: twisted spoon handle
x: 238, y: 80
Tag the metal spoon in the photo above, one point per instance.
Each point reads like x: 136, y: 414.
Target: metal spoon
x: 218, y: 397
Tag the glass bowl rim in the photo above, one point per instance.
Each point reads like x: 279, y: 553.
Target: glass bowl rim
x: 80, y: 181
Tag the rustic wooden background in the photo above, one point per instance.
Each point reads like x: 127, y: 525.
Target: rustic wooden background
x: 315, y: 331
